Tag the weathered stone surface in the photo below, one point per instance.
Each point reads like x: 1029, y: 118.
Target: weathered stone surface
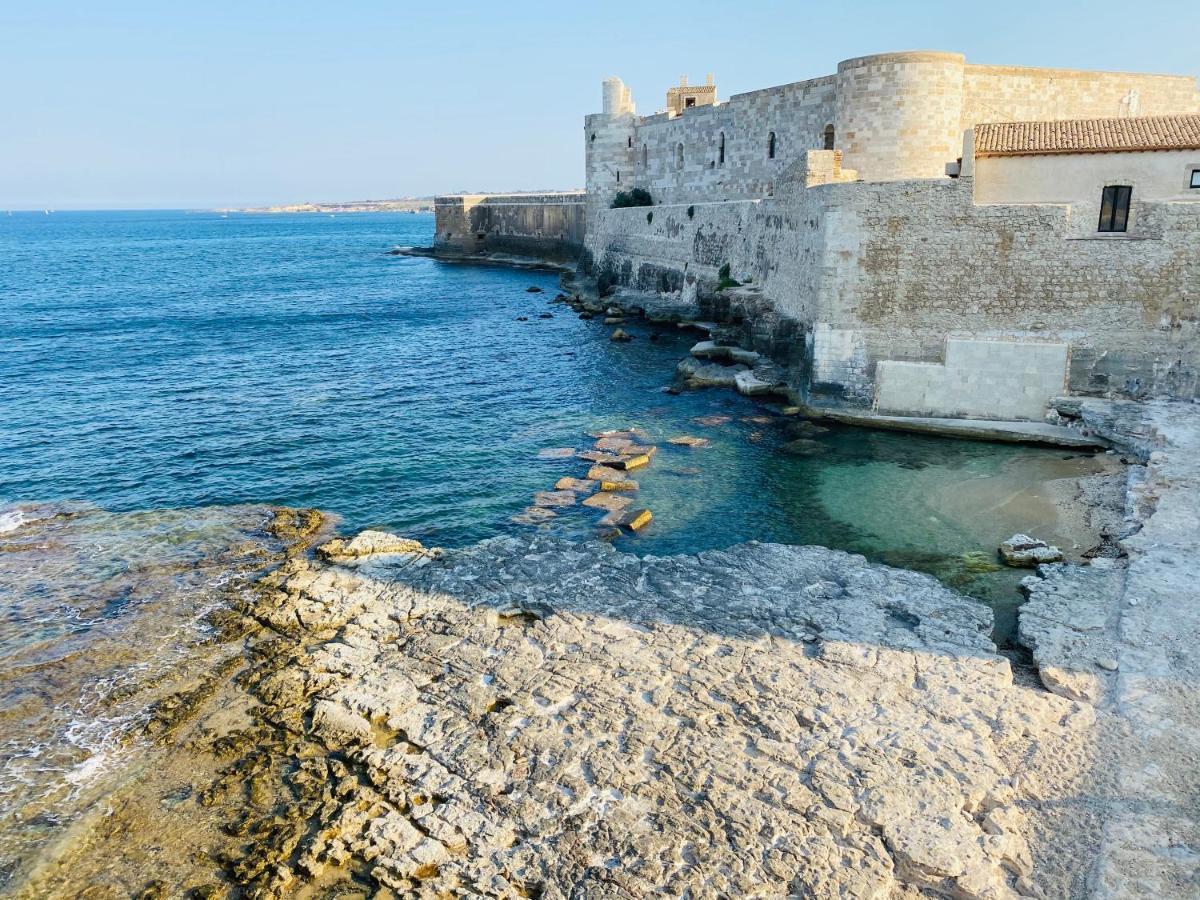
x: 606, y: 500
x: 633, y: 519
x: 687, y: 440
x: 534, y: 515
x: 369, y: 543
x: 620, y: 335
x: 578, y: 485
x: 698, y: 374
x: 763, y: 721
x: 1024, y: 551
x: 750, y: 384
x: 554, y: 498
x: 627, y: 463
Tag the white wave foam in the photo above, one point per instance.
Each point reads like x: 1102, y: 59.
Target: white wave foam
x: 11, y: 521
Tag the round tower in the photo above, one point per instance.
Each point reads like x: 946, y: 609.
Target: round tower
x: 609, y: 144
x: 898, y: 115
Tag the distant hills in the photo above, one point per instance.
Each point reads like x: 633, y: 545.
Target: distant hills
x: 404, y: 204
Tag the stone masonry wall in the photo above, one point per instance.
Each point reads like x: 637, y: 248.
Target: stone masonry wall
x: 1018, y: 94
x: 894, y: 116
x: 548, y: 226
x: 890, y: 271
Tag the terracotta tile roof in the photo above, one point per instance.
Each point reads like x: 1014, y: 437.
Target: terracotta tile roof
x: 1088, y: 135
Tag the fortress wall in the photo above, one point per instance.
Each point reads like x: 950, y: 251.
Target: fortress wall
x: 797, y: 113
x: 1014, y: 94
x: 890, y: 271
x: 547, y: 226
x: 912, y: 263
x: 899, y: 114
x: 896, y: 116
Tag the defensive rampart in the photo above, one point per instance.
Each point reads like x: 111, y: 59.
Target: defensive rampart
x: 545, y: 226
x: 880, y: 274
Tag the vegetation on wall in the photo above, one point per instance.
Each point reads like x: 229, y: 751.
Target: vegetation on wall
x: 725, y: 280
x: 636, y: 197
x: 691, y: 212
x: 649, y: 217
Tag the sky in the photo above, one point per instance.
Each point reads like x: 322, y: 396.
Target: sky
x: 135, y: 105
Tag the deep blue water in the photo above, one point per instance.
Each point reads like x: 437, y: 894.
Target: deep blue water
x: 168, y: 359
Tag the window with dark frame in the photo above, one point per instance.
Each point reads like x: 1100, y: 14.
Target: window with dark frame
x: 721, y: 151
x: 828, y: 137
x: 1114, y: 208
x: 1195, y: 182
x: 771, y: 145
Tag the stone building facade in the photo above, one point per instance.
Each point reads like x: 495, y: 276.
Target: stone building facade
x: 883, y: 283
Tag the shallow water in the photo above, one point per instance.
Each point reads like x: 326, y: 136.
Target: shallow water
x: 166, y: 360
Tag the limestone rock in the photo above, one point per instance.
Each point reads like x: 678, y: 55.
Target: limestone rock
x: 554, y: 498
x: 749, y: 384
x: 620, y: 335
x: 371, y: 543
x: 843, y: 723
x: 534, y: 515
x: 1021, y: 550
x: 633, y: 519
x: 611, y: 502
x: 687, y: 440
x: 698, y: 374
x: 578, y: 485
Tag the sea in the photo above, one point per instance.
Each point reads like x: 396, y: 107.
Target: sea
x: 166, y: 376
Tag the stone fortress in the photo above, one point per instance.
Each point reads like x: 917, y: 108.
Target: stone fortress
x: 913, y: 235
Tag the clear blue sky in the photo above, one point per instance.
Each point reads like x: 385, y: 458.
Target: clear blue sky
x: 163, y: 104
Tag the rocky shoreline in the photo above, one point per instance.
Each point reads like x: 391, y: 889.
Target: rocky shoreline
x: 530, y: 717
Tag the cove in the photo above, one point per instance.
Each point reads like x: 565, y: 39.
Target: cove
x: 169, y: 359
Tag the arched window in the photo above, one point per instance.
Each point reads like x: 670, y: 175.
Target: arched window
x: 721, y: 150
x: 771, y: 145
x: 679, y: 157
x: 828, y: 137
x: 645, y: 157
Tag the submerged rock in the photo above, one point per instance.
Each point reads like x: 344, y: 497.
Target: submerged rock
x: 534, y: 515
x: 687, y: 440
x: 1021, y: 550
x: 620, y: 335
x: 804, y: 447
x: 554, y: 498
x: 610, y: 502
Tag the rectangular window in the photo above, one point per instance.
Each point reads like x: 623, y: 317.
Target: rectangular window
x: 1195, y: 182
x: 1114, y: 207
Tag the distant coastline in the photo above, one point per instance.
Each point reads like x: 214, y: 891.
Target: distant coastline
x: 405, y: 204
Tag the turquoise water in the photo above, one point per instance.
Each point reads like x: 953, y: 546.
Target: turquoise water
x: 166, y: 359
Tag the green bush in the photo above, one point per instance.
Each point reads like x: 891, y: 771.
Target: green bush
x: 649, y: 217
x: 636, y: 197
x: 724, y: 279
x: 691, y: 212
